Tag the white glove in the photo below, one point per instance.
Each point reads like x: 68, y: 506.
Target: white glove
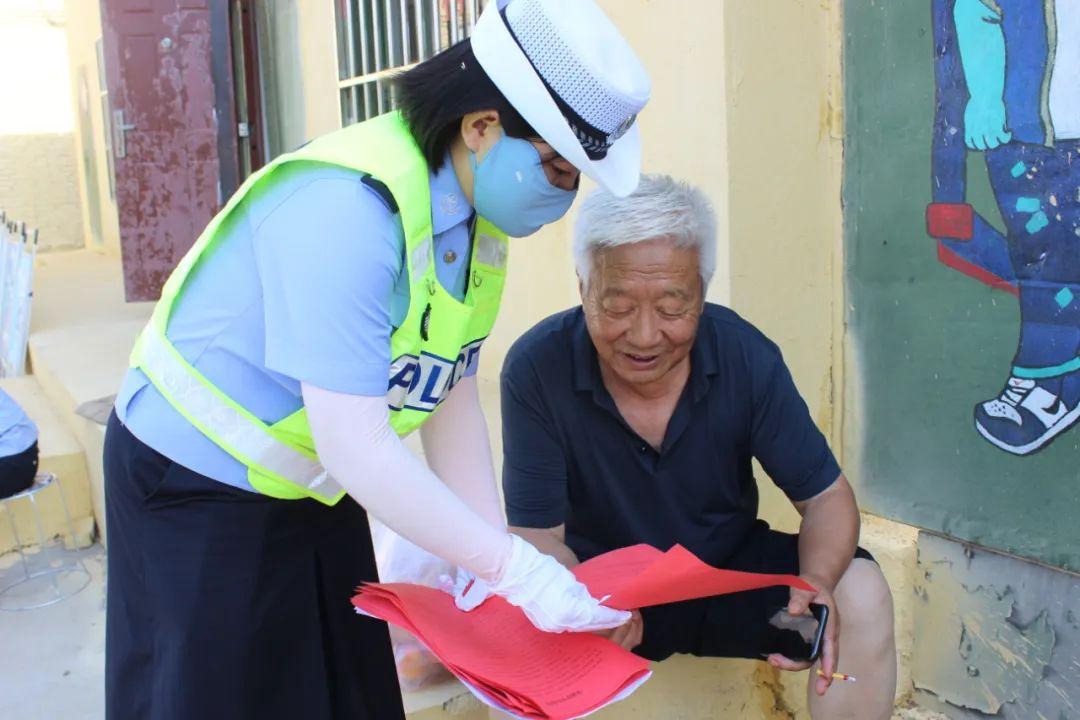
x: 469, y: 591
x: 549, y: 594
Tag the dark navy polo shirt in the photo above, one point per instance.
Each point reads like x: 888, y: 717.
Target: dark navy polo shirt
x: 569, y: 457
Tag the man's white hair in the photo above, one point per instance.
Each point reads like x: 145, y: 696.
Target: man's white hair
x: 661, y: 207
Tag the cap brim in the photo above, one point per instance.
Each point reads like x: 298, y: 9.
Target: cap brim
x: 508, y: 67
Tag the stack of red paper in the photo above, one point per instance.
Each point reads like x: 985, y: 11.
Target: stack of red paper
x: 510, y: 664
x: 499, y: 654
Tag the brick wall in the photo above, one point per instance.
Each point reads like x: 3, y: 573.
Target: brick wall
x: 39, y: 186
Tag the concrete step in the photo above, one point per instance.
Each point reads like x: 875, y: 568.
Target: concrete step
x: 61, y: 454
x: 81, y: 334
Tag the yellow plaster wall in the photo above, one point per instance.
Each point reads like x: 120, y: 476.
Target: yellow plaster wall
x: 37, y: 149
x: 38, y: 187
x: 302, y: 67
x: 83, y: 27
x: 785, y: 139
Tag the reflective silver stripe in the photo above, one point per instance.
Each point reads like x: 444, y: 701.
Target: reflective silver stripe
x: 402, y: 371
x: 241, y: 435
x: 421, y: 259
x: 491, y: 251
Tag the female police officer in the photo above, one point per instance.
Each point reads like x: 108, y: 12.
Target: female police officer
x: 259, y: 396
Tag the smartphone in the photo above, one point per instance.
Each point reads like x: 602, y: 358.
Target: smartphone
x: 796, y: 637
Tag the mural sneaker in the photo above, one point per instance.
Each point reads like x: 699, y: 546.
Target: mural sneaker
x: 1030, y: 413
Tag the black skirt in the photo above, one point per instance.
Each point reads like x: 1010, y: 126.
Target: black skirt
x: 223, y: 603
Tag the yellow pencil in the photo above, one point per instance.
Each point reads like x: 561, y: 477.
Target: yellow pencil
x: 838, y: 676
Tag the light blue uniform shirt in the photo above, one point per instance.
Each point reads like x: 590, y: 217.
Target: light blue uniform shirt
x: 306, y: 285
x: 17, y: 431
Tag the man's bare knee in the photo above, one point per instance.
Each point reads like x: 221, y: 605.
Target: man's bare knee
x: 864, y: 602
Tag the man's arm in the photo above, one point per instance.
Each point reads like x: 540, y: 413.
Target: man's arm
x: 827, y: 539
x: 797, y: 457
x: 550, y: 541
x: 828, y: 534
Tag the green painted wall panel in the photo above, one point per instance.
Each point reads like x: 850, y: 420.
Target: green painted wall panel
x: 927, y: 342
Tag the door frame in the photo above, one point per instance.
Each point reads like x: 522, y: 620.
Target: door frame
x: 221, y: 53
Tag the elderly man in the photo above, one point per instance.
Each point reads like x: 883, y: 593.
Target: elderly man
x: 634, y: 418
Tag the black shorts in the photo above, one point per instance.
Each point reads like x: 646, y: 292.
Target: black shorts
x: 728, y: 626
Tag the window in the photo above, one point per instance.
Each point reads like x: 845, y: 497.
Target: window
x: 377, y: 38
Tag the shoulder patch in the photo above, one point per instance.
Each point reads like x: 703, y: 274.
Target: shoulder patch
x: 382, y: 191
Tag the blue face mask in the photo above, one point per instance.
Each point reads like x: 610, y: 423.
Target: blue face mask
x: 511, y: 189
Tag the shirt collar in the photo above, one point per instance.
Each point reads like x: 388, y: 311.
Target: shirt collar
x: 586, y: 369
x: 704, y: 362
x: 703, y: 358
x: 449, y: 207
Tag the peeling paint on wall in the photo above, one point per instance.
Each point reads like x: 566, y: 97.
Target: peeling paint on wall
x: 979, y: 659
x: 995, y: 635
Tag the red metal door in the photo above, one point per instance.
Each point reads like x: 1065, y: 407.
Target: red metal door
x: 168, y: 69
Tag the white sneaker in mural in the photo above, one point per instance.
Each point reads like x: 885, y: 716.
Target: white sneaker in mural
x: 1029, y: 413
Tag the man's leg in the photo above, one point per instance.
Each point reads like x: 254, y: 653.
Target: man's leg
x: 867, y: 649
x: 735, y: 626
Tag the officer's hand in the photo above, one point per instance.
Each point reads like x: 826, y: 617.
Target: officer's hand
x: 469, y: 591
x: 550, y: 596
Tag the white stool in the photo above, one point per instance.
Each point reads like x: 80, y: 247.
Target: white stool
x: 60, y: 579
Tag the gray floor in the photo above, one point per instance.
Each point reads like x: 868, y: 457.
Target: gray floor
x: 52, y: 659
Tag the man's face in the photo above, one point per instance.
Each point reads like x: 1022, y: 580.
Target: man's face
x: 642, y: 308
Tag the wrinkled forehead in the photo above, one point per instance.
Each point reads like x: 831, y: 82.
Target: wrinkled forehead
x: 654, y: 266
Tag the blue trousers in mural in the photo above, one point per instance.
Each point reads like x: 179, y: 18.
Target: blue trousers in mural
x: 1038, y: 192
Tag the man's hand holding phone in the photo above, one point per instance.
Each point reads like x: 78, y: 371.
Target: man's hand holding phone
x: 829, y: 645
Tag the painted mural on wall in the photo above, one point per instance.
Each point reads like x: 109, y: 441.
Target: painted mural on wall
x: 962, y: 120
x: 1008, y: 88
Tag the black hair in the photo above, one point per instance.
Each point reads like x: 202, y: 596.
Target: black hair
x: 437, y: 93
